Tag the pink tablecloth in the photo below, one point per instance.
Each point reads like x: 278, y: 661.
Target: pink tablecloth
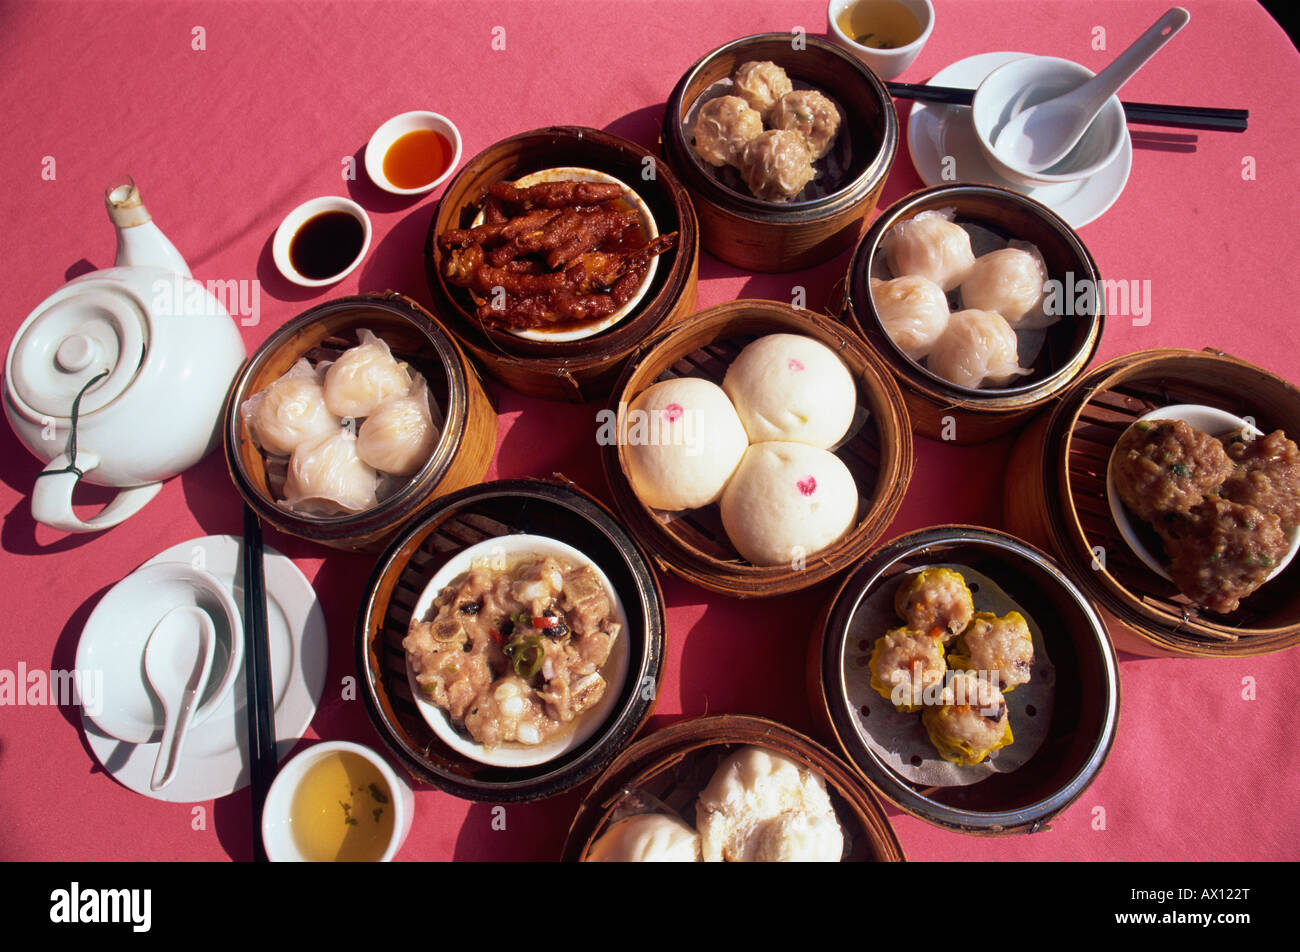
x: 230, y: 114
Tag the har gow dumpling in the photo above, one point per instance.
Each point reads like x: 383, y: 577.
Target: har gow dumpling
x: 364, y: 377
x: 931, y: 245
x: 289, y: 412
x: 1009, y: 281
x: 812, y: 115
x: 913, y: 311
x: 399, y: 436
x: 776, y: 165
x: 761, y: 84
x: 979, y: 349
x: 722, y: 129
x: 327, y: 477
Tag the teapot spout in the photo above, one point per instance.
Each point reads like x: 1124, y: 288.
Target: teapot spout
x: 140, y: 243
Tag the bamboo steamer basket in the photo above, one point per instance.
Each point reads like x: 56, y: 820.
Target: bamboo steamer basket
x: 759, y: 235
x: 1085, y: 714
x: 675, y: 764
x: 941, y: 410
x: 581, y: 370
x: 465, y: 444
x: 553, y: 508
x: 1056, y: 495
x: 693, y: 544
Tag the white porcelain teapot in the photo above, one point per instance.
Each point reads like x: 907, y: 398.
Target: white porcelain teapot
x: 120, y: 376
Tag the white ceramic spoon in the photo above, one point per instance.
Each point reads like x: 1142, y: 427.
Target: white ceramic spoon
x: 1044, y: 134
x: 178, y: 662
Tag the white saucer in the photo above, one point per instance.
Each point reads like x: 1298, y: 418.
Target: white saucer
x: 214, y: 763
x: 937, y: 131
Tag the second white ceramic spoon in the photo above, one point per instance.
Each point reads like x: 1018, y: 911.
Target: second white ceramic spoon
x: 1044, y: 134
x: 178, y: 662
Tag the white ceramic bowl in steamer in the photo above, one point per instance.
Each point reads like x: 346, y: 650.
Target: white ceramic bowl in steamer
x: 1209, y: 420
x: 501, y: 553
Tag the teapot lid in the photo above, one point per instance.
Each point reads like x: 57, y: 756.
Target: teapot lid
x: 75, y: 335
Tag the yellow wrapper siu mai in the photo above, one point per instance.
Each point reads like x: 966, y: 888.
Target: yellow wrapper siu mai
x: 935, y: 598
x: 904, y: 662
x: 971, y: 721
x: 994, y: 645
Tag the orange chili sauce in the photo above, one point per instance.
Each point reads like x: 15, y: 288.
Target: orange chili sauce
x: 417, y: 158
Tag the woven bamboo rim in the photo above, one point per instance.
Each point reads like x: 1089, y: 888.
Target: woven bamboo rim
x: 580, y: 370
x: 1056, y: 492
x: 661, y: 764
x: 694, y: 545
x: 1084, y: 721
x: 554, y: 508
x: 465, y: 445
x: 1071, y: 343
x: 766, y: 236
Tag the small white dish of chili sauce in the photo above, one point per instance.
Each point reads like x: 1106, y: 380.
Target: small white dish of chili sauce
x: 413, y: 153
x: 520, y: 649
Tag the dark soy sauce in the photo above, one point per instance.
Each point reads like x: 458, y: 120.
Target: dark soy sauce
x: 326, y: 244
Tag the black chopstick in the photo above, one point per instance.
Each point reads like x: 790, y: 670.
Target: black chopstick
x: 1143, y: 113
x: 257, y: 678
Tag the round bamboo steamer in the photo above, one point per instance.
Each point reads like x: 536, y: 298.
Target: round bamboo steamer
x: 759, y: 235
x: 1056, y: 496
x: 692, y: 544
x: 581, y: 370
x: 553, y: 508
x: 465, y: 444
x: 943, y: 411
x: 675, y: 764
x: 1085, y: 716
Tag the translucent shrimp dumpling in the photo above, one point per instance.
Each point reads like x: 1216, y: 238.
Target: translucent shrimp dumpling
x: 290, y: 411
x: 776, y: 165
x: 978, y: 349
x: 327, y: 477
x: 931, y: 245
x: 1009, y: 281
x: 364, y: 377
x: 761, y: 84
x: 913, y: 310
x: 400, y: 435
x: 722, y: 129
x: 812, y: 115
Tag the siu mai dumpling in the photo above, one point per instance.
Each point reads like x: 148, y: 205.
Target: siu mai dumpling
x: 935, y: 601
x: 1009, y: 281
x: 289, y: 412
x: 326, y: 477
x: 992, y: 644
x: 761, y: 84
x: 931, y: 245
x: 364, y: 377
x: 913, y: 311
x: 722, y: 129
x: 979, y: 349
x: 905, y: 662
x: 971, y: 721
x: 776, y: 165
x: 399, y: 436
x: 812, y: 115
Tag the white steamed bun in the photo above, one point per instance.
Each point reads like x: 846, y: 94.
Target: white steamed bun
x: 647, y: 838
x: 786, y: 501
x: 683, y: 441
x: 791, y: 387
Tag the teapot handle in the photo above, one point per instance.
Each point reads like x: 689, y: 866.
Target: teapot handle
x: 52, y: 497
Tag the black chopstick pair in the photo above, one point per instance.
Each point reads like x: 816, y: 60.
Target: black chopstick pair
x: 1144, y: 113
x: 262, y: 760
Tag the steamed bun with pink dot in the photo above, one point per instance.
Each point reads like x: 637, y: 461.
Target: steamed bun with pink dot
x: 681, y: 443
x: 788, y: 501
x: 791, y: 387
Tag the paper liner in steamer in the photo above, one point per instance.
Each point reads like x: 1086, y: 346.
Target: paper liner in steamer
x: 900, y: 739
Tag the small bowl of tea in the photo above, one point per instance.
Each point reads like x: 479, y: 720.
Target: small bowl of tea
x: 413, y: 153
x: 321, y: 241
x: 887, y: 35
x: 336, y: 802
